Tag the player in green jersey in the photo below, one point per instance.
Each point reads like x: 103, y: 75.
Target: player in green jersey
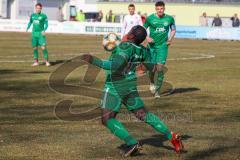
x: 159, y: 25
x: 40, y: 24
x: 121, y: 88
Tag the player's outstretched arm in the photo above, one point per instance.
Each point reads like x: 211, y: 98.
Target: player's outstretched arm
x: 115, y: 64
x: 46, y: 24
x: 171, y: 37
x: 29, y: 23
x: 172, y: 33
x: 123, y: 28
x: 146, y: 25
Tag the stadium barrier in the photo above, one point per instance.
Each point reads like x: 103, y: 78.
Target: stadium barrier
x: 191, y: 32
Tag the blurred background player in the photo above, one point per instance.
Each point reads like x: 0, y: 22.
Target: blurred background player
x: 40, y: 25
x: 159, y: 24
x: 130, y: 20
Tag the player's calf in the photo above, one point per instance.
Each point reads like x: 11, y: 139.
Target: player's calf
x: 159, y: 126
x: 159, y: 67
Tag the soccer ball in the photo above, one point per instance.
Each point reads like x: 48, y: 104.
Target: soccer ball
x: 110, y: 41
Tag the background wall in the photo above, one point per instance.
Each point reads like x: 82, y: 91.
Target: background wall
x: 186, y: 14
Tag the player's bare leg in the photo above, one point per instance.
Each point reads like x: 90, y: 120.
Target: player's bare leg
x: 35, y: 56
x: 45, y: 55
x: 151, y: 75
x: 156, y: 86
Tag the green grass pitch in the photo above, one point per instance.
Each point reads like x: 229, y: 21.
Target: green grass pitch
x: 205, y: 108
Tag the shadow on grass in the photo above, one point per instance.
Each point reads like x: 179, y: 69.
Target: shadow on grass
x: 180, y: 91
x: 53, y: 63
x: 157, y: 141
x: 8, y: 71
x: 21, y: 72
x: 36, y: 72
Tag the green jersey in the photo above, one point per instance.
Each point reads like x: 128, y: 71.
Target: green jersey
x: 159, y: 27
x: 121, y: 82
x: 132, y: 55
x: 40, y: 23
x: 122, y: 63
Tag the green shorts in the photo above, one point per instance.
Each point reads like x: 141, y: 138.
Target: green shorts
x: 38, y: 39
x: 159, y: 53
x: 114, y: 96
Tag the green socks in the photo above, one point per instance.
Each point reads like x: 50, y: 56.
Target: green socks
x: 35, y: 54
x: 157, y: 124
x: 120, y: 131
x: 45, y: 54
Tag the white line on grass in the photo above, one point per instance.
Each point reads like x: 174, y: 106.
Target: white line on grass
x: 199, y: 56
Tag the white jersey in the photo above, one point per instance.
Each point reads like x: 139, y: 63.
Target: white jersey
x: 129, y: 22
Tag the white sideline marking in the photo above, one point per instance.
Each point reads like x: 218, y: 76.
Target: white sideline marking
x: 200, y: 56
x: 55, y: 55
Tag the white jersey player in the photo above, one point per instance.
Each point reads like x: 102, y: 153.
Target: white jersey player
x: 130, y: 20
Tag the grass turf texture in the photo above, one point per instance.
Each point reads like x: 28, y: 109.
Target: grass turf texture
x: 205, y: 107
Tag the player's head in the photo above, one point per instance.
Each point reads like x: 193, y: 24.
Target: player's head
x: 160, y: 8
x: 204, y: 14
x: 137, y: 34
x: 38, y: 8
x: 131, y: 9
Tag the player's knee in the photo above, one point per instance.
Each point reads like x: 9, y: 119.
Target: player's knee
x: 159, y: 67
x: 106, y: 115
x: 140, y: 113
x: 35, y: 48
x: 43, y: 47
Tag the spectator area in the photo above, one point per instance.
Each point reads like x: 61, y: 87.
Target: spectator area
x: 185, y: 14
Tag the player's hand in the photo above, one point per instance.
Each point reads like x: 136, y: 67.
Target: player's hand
x: 149, y: 40
x: 87, y: 57
x: 169, y: 42
x: 44, y: 33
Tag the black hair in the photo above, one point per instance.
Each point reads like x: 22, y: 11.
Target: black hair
x: 137, y: 34
x: 39, y: 4
x: 131, y: 5
x: 160, y: 3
